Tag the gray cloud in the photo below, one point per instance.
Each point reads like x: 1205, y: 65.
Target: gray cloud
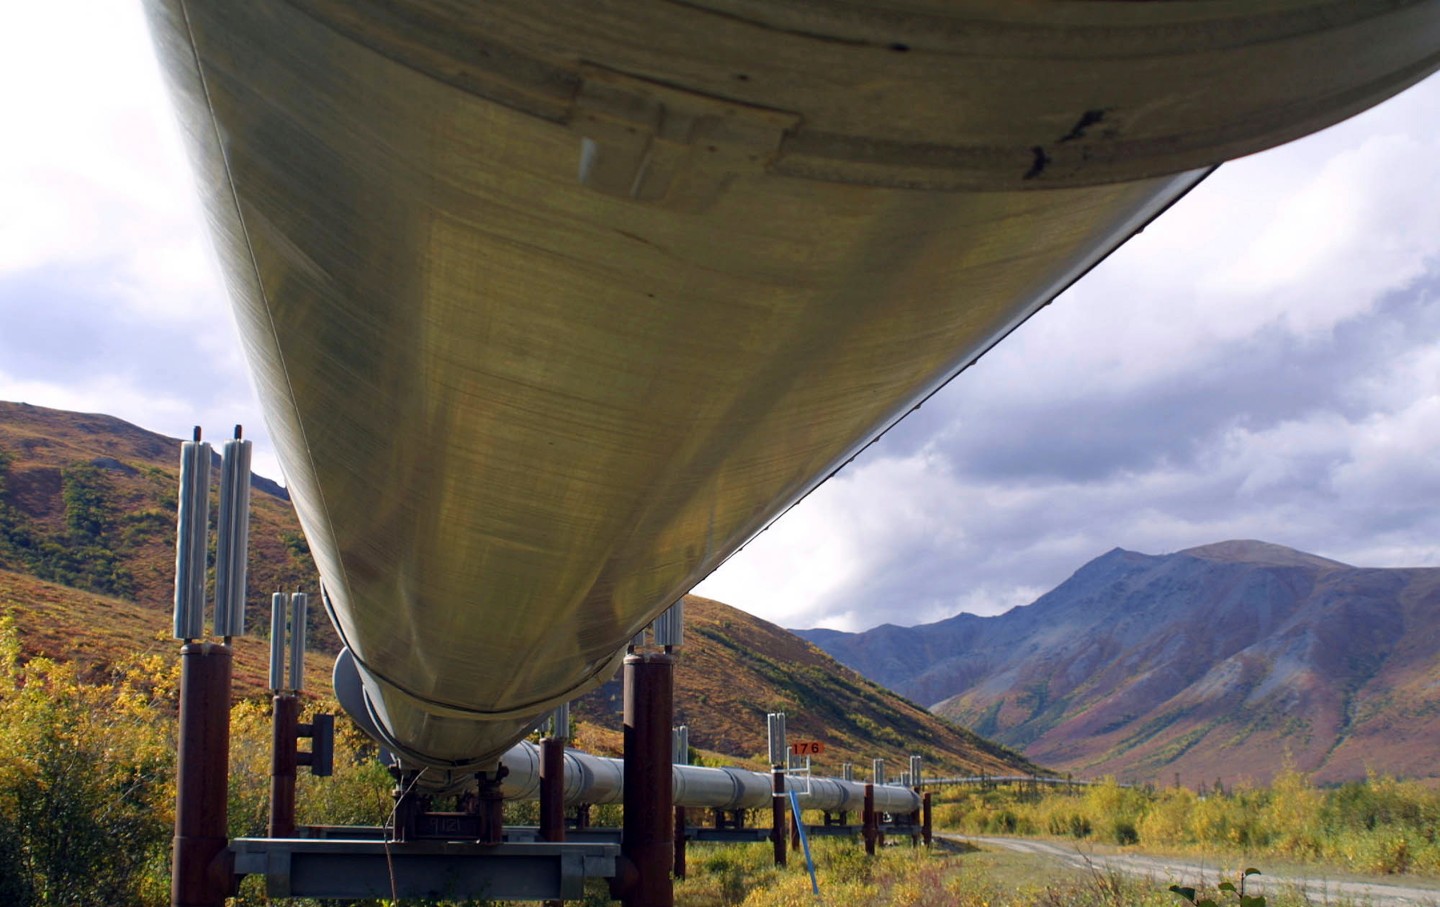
x: 1253, y: 384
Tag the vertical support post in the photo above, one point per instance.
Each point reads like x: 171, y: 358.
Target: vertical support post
x: 925, y: 818
x: 795, y: 829
x: 680, y: 756
x: 679, y: 869
x: 492, y: 805
x: 201, y: 875
x: 917, y: 819
x: 284, y: 730
x: 647, y: 840
x: 871, y: 831
x: 407, y: 804
x: 552, y: 789
x: 552, y: 780
x: 777, y: 814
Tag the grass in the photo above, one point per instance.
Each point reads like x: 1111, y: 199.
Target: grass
x: 741, y: 876
x: 1379, y: 826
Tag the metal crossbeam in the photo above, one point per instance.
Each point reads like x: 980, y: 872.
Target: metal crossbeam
x: 299, y: 867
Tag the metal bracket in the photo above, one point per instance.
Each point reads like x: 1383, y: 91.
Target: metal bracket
x: 659, y: 144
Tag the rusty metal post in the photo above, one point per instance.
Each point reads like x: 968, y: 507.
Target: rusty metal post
x: 552, y: 789
x: 777, y: 815
x: 917, y: 818
x: 871, y: 832
x: 201, y: 874
x: 925, y: 818
x: 407, y: 804
x: 679, y: 869
x: 647, y: 843
x: 491, y: 805
x: 794, y: 830
x: 284, y: 729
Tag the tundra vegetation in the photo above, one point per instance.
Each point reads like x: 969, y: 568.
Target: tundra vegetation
x: 87, y: 798
x: 1379, y: 825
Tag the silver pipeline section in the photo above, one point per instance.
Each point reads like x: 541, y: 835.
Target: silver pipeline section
x: 599, y: 779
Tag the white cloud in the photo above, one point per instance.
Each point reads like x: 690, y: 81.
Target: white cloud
x: 100, y: 175
x: 98, y: 207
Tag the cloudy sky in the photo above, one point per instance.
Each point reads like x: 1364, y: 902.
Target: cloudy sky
x: 1263, y: 362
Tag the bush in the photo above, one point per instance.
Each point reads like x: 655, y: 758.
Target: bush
x: 85, y: 779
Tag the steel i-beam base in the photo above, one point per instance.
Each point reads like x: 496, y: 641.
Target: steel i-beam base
x: 450, y: 870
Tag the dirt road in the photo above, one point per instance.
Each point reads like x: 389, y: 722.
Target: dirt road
x: 1168, y: 870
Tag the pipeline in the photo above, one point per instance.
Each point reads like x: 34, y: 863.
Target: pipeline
x: 599, y: 779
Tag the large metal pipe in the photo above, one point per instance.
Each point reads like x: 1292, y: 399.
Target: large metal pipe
x: 598, y: 779
x: 551, y: 307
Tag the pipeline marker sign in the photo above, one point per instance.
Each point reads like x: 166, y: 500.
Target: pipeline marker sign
x: 807, y: 748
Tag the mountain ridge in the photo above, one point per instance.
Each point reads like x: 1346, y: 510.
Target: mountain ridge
x: 1221, y: 660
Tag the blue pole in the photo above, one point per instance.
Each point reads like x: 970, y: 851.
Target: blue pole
x: 804, y: 841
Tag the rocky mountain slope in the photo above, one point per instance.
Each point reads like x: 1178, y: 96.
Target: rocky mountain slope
x: 1222, y: 661
x: 87, y: 554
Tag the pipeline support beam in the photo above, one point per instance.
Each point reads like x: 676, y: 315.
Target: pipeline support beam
x: 679, y: 868
x: 284, y: 728
x: 871, y: 831
x: 647, y: 844
x: 201, y: 869
x: 777, y: 815
x: 552, y: 789
x: 926, y: 827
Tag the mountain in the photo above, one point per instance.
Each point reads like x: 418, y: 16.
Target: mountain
x: 87, y: 555
x: 1227, y: 660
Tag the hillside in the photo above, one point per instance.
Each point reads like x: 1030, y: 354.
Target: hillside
x: 1220, y: 661
x: 100, y: 631
x: 88, y: 501
x: 734, y: 668
x: 87, y: 553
